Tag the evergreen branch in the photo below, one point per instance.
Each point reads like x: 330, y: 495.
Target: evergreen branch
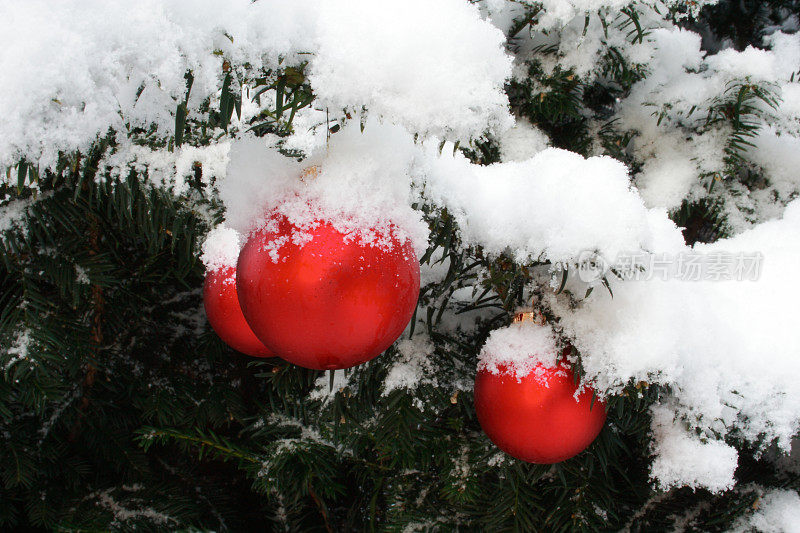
x: 147, y: 436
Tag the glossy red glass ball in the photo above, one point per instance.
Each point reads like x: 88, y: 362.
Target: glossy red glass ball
x: 225, y: 316
x: 537, y: 418
x: 322, y: 299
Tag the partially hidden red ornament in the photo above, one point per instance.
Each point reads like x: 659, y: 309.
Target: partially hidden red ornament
x: 536, y: 418
x: 323, y: 299
x: 225, y: 315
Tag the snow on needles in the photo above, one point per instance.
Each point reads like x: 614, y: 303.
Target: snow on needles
x: 778, y: 511
x: 552, y: 206
x: 684, y: 459
x: 367, y: 56
x: 124, y: 66
x: 412, y: 367
x: 556, y: 13
x: 728, y: 349
x: 678, y: 147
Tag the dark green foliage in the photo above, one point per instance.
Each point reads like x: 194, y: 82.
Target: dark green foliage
x: 554, y: 103
x: 484, y: 152
x: 292, y: 92
x: 563, y: 104
x: 701, y: 221
x: 739, y: 23
x: 182, y: 110
x: 743, y: 106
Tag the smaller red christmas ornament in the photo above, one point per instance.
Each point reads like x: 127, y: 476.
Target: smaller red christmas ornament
x: 322, y: 299
x: 225, y: 314
x: 535, y: 422
x: 537, y: 417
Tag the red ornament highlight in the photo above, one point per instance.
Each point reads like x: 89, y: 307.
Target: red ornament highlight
x: 321, y: 299
x: 536, y: 418
x: 225, y: 315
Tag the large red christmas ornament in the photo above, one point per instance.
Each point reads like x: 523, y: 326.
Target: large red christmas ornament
x: 321, y: 299
x: 225, y: 315
x: 536, y: 418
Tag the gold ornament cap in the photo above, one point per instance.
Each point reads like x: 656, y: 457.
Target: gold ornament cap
x: 529, y: 315
x: 309, y: 173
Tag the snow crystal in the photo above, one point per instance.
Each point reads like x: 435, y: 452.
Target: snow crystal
x: 124, y: 67
x: 668, y: 174
x: 461, y: 468
x: 307, y: 434
x: 778, y: 512
x: 520, y: 349
x: 778, y: 153
x: 66, y: 401
x: 13, y: 212
x: 579, y: 45
x: 497, y: 459
x: 212, y: 159
x: 780, y: 63
x: 81, y: 276
x: 502, y: 13
x: 684, y: 459
x: 273, y: 247
x: 559, y: 12
x: 18, y: 351
x: 790, y: 101
x: 322, y: 386
x: 221, y: 248
x: 122, y: 513
x: 522, y: 142
x: 412, y: 367
x: 165, y: 168
x: 256, y: 178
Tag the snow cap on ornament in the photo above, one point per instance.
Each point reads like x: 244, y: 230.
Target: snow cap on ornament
x: 528, y: 345
x: 221, y: 248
